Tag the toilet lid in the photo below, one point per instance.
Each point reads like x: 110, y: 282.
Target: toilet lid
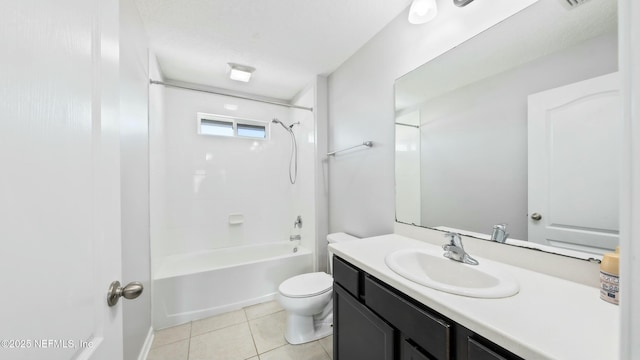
x: 306, y: 285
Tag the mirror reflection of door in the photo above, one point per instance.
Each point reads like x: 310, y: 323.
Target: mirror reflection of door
x: 574, y: 136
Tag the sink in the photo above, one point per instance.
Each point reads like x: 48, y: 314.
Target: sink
x: 430, y: 268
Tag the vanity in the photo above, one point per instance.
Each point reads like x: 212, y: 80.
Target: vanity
x: 379, y: 314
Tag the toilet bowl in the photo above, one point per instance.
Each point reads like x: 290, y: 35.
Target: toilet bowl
x: 307, y: 299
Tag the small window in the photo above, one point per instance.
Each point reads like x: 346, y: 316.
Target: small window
x: 214, y: 127
x: 219, y: 125
x: 252, y: 131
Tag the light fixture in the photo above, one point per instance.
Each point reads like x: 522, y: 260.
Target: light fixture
x: 422, y: 11
x: 240, y: 72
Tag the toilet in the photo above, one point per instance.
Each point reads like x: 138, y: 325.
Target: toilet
x: 307, y: 299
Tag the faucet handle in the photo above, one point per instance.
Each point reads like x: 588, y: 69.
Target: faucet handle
x: 499, y: 233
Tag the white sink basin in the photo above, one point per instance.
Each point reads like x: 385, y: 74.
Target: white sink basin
x: 430, y: 268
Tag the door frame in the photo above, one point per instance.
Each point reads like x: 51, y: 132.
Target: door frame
x: 629, y: 57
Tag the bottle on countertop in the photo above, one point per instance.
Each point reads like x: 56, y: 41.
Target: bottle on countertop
x: 610, y: 277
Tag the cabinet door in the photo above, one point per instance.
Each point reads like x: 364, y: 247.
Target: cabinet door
x: 427, y: 330
x: 358, y: 332
x: 411, y: 351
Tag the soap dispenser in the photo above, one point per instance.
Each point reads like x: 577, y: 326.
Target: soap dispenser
x: 610, y: 277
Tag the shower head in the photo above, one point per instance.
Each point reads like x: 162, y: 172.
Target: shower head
x: 276, y: 121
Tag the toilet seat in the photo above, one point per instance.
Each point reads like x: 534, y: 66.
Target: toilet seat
x: 306, y: 285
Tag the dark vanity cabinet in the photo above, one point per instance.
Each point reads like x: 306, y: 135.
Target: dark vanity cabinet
x: 373, y: 321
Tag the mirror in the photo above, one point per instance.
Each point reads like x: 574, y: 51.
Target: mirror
x: 518, y: 126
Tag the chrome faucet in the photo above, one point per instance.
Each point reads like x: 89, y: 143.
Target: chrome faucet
x: 455, y: 250
x: 499, y: 233
x: 296, y: 225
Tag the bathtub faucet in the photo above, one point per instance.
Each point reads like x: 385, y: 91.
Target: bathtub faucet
x: 295, y: 237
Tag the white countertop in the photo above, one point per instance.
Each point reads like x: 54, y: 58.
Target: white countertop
x: 550, y: 318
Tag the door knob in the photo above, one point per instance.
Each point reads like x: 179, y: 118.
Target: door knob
x: 536, y: 217
x: 131, y: 291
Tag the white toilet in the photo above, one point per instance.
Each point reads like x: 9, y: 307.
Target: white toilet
x: 307, y: 299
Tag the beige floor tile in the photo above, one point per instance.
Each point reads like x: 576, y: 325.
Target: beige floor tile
x: 259, y: 310
x: 231, y: 343
x: 217, y: 322
x: 174, y: 351
x: 327, y: 345
x: 308, y: 351
x: 254, y: 358
x: 268, y: 331
x: 171, y: 335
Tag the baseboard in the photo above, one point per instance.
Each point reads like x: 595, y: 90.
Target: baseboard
x: 146, y: 347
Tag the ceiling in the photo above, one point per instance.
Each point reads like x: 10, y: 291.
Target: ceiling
x: 289, y: 42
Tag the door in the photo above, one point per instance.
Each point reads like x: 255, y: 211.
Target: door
x: 59, y: 179
x: 574, y: 151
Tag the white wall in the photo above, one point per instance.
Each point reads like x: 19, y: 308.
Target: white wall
x: 208, y: 177
x: 157, y: 166
x: 361, y: 107
x: 302, y: 193
x: 481, y: 129
x: 134, y: 162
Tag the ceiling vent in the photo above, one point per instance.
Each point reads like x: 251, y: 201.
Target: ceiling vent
x: 570, y: 4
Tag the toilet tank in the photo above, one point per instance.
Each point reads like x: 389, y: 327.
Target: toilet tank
x: 336, y: 238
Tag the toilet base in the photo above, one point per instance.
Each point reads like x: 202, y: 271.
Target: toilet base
x: 304, y: 329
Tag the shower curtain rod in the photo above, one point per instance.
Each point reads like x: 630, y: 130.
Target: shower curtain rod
x: 155, y: 82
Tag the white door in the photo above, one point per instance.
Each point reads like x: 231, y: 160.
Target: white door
x: 574, y: 151
x: 59, y: 179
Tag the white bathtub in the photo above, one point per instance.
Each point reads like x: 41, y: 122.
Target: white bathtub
x: 193, y: 286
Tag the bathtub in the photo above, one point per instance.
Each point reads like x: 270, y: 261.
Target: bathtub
x: 193, y: 286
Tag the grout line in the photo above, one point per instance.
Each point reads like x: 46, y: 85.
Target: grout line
x: 264, y: 316
x: 154, y: 346
x: 275, y: 348
x: 189, y: 346
x: 222, y: 328
x: 255, y: 347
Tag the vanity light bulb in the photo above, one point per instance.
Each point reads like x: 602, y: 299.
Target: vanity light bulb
x: 421, y: 8
x: 422, y: 11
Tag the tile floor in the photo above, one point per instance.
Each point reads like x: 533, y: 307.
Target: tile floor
x: 253, y: 333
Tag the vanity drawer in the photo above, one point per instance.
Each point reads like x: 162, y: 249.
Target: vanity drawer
x: 347, y: 276
x: 427, y: 330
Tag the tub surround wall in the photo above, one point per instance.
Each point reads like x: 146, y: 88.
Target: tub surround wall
x: 198, y: 181
x: 207, y: 178
x: 302, y: 193
x: 361, y: 107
